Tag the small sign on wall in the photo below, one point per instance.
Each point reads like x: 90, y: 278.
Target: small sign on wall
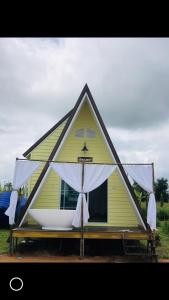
x: 85, y: 159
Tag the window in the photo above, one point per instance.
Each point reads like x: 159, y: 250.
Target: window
x: 85, y: 132
x: 97, y: 201
x: 90, y: 133
x: 68, y: 196
x: 80, y: 132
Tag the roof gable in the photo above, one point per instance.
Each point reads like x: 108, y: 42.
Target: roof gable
x: 85, y: 128
x: 71, y: 118
x: 39, y: 141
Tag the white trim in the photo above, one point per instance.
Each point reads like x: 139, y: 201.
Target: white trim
x: 111, y: 153
x: 35, y: 196
x: 46, y: 137
x: 133, y: 203
x: 98, y: 123
x: 69, y: 128
x: 40, y: 185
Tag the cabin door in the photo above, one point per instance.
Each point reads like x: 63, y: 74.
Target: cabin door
x: 98, y: 204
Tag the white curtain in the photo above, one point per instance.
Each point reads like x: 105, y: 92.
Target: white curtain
x: 151, y: 211
x: 23, y: 171
x: 94, y: 176
x: 143, y: 175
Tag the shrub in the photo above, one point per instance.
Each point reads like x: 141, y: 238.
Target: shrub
x: 165, y: 227
x: 144, y: 210
x: 163, y: 214
x: 158, y: 223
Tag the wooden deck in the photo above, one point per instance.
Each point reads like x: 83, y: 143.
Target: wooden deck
x: 88, y: 233
x: 102, y: 233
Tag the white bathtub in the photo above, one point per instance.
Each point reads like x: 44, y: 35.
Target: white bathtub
x: 53, y: 219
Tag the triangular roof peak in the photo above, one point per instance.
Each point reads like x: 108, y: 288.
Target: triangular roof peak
x: 86, y: 86
x: 58, y: 145
x: 84, y: 91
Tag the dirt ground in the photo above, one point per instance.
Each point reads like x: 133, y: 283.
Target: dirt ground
x: 52, y: 259
x: 73, y: 259
x: 163, y: 260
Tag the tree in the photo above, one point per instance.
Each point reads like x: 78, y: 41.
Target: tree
x: 8, y: 187
x: 141, y: 194
x: 161, y: 189
x: 161, y: 200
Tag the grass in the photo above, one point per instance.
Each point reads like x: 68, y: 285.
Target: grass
x: 163, y: 249
x: 4, y: 234
x: 166, y: 205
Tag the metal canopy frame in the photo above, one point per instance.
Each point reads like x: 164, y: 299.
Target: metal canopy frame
x: 82, y: 182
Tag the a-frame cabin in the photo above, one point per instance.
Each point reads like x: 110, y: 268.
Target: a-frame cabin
x: 112, y: 205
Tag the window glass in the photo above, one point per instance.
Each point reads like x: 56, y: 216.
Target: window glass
x: 68, y: 196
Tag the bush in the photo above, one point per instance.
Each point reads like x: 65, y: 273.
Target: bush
x: 165, y: 227
x: 158, y: 223
x: 144, y: 211
x: 163, y: 214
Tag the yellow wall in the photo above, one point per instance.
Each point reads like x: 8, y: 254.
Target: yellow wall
x: 43, y: 150
x: 73, y: 145
x: 49, y: 196
x: 120, y: 210
x: 50, y: 192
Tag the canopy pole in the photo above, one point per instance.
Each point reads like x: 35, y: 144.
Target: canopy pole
x: 91, y: 163
x: 153, y: 182
x: 153, y: 177
x: 82, y: 225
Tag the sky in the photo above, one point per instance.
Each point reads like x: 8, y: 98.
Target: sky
x: 42, y: 78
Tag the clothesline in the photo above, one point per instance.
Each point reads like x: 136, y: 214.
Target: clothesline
x: 94, y: 163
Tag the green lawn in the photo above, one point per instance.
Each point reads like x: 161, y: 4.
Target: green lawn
x: 4, y: 234
x: 163, y: 249
x: 165, y: 206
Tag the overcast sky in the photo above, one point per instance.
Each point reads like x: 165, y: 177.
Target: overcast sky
x: 41, y: 79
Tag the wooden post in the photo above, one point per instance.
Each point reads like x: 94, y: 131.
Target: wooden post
x: 16, y: 244
x: 153, y: 182
x: 82, y: 239
x: 10, y: 242
x: 153, y: 176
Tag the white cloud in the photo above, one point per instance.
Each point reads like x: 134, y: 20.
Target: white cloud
x: 41, y: 79
x: 145, y: 146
